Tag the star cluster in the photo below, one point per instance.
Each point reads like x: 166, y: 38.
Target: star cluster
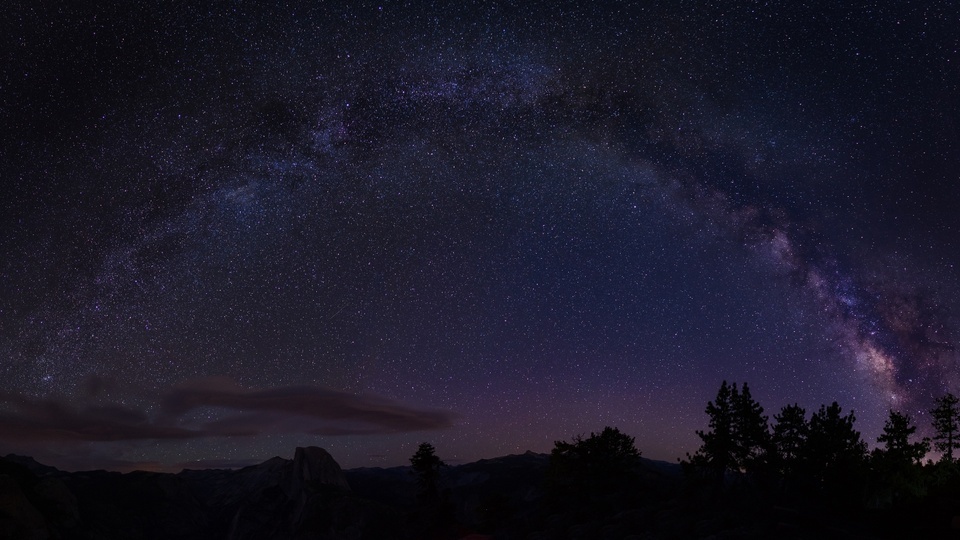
x: 230, y: 229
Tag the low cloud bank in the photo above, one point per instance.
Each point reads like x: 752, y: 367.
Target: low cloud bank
x: 237, y: 412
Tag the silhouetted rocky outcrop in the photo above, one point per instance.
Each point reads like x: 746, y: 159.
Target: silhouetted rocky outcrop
x: 19, y: 518
x: 33, y: 507
x: 307, y: 497
x: 281, y: 499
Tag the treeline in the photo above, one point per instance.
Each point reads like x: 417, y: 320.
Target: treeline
x: 823, y: 455
x: 800, y: 475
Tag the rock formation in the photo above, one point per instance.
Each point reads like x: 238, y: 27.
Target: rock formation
x: 311, y: 467
x: 277, y: 499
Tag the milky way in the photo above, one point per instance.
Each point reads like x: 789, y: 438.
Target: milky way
x: 229, y: 230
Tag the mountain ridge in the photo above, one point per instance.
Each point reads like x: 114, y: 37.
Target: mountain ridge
x: 307, y: 496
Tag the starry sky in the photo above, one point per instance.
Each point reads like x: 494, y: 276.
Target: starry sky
x: 230, y: 229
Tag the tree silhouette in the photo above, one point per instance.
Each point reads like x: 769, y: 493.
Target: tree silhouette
x: 592, y: 469
x: 897, y: 448
x: 426, y: 466
x: 789, y: 439
x: 898, y: 475
x: 717, y: 452
x: 602, y: 455
x: 751, y: 433
x: 738, y: 438
x: 946, y: 416
x: 834, y: 454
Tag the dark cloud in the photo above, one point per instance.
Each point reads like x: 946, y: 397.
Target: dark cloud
x: 49, y: 420
x: 307, y: 409
x: 297, y: 409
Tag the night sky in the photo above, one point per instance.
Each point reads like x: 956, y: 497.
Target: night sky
x: 227, y: 230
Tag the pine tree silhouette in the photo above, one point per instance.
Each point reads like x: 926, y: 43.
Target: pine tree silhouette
x: 426, y: 466
x: 835, y: 454
x: 789, y: 441
x: 739, y: 437
x: 946, y: 416
x: 897, y: 448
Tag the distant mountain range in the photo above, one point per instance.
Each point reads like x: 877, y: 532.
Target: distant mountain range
x: 306, y: 497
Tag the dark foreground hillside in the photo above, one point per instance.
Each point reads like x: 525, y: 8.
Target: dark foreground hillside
x: 307, y: 497
x: 508, y: 497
